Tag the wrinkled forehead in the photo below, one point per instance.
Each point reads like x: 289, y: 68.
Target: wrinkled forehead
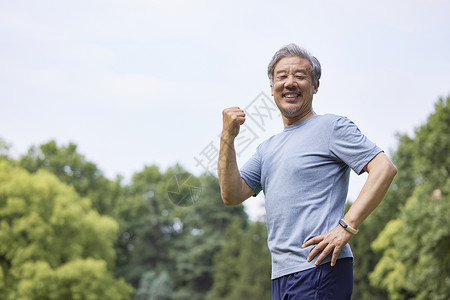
x: 293, y: 64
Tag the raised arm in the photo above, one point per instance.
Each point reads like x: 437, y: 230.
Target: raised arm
x: 233, y: 188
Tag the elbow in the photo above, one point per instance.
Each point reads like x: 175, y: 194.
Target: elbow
x: 225, y: 200
x: 230, y: 201
x: 383, y: 168
x: 394, y: 171
x: 227, y: 203
x: 390, y: 170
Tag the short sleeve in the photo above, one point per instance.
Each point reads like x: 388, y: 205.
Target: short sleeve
x: 251, y: 172
x: 349, y: 145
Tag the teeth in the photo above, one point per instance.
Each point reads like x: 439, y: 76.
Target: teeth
x: 291, y: 95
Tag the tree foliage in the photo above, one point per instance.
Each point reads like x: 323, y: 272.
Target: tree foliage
x: 68, y: 232
x: 242, y: 266
x: 421, y: 159
x: 72, y: 168
x: 53, y: 245
x: 203, y: 228
x: 107, y: 197
x: 400, y: 190
x: 158, y: 234
x: 147, y: 228
x: 415, y: 246
x: 154, y: 286
x: 4, y: 149
x: 175, y: 226
x: 255, y: 265
x: 226, y: 262
x: 416, y: 259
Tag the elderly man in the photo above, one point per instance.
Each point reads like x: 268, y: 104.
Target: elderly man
x: 304, y: 173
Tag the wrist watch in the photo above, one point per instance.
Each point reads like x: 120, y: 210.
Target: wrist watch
x: 348, y: 227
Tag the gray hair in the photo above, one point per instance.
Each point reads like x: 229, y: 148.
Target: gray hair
x: 294, y: 50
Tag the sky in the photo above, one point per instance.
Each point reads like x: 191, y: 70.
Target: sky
x: 135, y: 83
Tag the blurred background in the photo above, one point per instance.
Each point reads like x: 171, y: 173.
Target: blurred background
x: 110, y: 115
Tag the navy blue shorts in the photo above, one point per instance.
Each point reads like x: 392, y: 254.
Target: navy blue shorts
x: 321, y: 283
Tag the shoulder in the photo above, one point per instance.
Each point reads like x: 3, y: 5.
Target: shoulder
x: 332, y: 118
x: 328, y: 123
x: 338, y: 127
x: 337, y: 122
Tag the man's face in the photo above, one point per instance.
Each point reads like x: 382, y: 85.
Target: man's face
x: 293, y: 88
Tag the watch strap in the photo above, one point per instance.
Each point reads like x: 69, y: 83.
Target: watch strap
x: 348, y: 227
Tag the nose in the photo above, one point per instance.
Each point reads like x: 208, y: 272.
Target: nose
x: 290, y: 81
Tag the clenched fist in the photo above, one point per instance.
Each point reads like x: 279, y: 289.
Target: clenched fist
x: 233, y: 118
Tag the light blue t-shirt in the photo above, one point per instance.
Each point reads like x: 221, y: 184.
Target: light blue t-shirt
x: 304, y: 173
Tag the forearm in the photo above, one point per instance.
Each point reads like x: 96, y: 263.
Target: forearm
x: 381, y: 173
x: 229, y: 177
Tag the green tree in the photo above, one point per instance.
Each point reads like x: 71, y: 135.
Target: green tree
x: 242, y: 266
x: 174, y: 225
x: 148, y: 227
x: 77, y: 279
x: 415, y: 246
x: 416, y: 259
x: 108, y: 197
x: 400, y: 190
x: 53, y: 245
x: 255, y: 265
x: 202, y: 230
x: 154, y: 286
x: 4, y: 149
x: 72, y: 168
x: 227, y: 264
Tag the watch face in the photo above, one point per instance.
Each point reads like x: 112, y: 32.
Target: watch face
x: 343, y: 224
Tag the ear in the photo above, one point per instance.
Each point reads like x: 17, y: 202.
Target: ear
x: 271, y: 89
x: 316, y: 88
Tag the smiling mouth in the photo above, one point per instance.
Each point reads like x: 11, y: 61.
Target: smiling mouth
x: 290, y: 96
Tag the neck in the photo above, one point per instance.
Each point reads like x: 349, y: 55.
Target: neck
x: 288, y: 121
